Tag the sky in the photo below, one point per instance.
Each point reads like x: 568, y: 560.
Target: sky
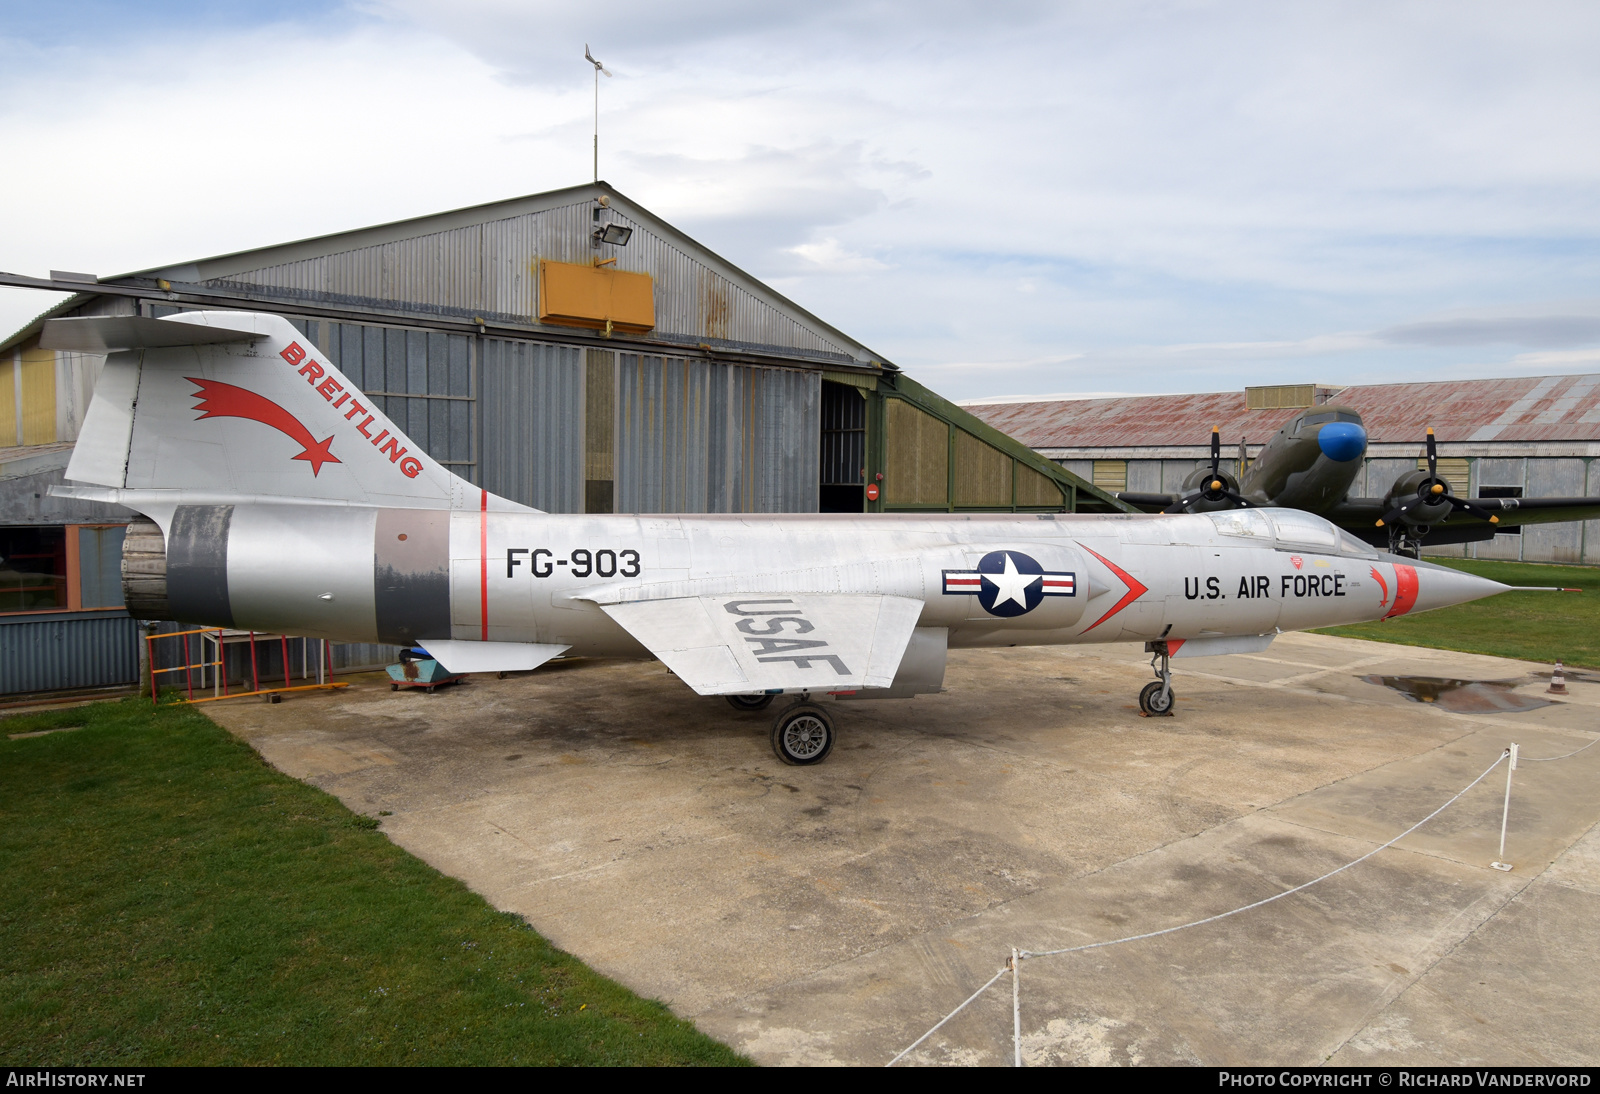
x: 1004, y: 199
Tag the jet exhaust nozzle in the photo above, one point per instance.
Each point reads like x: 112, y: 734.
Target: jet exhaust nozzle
x: 144, y: 570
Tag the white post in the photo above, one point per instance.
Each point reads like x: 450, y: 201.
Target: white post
x: 1500, y: 863
x: 1016, y: 1009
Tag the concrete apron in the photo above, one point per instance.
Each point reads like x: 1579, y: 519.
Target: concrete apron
x: 832, y: 914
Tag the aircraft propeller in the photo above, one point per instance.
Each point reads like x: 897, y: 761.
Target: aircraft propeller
x: 1432, y: 492
x: 1215, y: 488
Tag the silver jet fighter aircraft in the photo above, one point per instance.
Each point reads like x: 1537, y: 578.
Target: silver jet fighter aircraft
x: 278, y: 500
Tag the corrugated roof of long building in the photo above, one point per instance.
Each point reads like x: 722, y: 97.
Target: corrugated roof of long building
x: 1534, y: 408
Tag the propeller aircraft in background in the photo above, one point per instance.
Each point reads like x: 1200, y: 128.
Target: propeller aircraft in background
x: 275, y: 499
x: 1311, y: 463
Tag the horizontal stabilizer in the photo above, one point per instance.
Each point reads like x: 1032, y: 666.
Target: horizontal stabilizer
x: 490, y: 656
x: 735, y: 645
x: 110, y: 333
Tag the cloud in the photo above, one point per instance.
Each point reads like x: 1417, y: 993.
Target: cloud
x: 999, y: 197
x: 828, y: 255
x: 1558, y: 360
x: 1541, y: 330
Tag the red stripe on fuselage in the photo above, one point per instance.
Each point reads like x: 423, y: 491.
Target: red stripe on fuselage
x: 483, y: 557
x: 1405, y: 590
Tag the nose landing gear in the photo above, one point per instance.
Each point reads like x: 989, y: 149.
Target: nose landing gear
x: 1157, y: 698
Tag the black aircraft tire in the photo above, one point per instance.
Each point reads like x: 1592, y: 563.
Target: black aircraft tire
x: 750, y: 702
x: 802, y: 735
x: 1150, y: 700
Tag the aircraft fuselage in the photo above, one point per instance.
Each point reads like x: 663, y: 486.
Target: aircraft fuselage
x: 1300, y: 469
x: 406, y: 576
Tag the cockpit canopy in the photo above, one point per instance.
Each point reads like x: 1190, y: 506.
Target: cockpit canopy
x: 1292, y: 528
x: 1322, y: 417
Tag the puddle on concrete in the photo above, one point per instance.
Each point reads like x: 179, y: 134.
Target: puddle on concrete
x: 1462, y: 696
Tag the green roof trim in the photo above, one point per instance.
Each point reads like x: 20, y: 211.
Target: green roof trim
x: 1089, y: 497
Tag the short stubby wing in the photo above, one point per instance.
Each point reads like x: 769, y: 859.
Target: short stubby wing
x: 731, y: 645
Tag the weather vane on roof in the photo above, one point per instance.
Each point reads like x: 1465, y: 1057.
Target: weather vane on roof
x: 598, y: 69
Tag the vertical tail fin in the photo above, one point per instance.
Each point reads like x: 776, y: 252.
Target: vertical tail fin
x: 240, y: 404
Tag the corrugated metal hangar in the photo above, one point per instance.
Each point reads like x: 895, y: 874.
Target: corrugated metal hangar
x: 568, y: 350
x: 1536, y: 436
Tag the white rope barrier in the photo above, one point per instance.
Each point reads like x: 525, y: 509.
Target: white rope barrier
x: 1574, y: 752
x: 1003, y: 970
x: 1025, y: 954
x: 1014, y: 964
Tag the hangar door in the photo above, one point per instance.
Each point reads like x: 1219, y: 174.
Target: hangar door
x: 533, y: 409
x: 696, y: 436
x: 421, y: 379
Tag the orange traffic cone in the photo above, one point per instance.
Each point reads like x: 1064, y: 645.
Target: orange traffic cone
x: 1558, y: 683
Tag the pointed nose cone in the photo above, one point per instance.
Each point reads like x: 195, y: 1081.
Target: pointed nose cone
x: 1342, y: 441
x: 1441, y: 586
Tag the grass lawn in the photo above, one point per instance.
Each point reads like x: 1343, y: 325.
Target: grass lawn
x: 170, y: 899
x: 1531, y: 626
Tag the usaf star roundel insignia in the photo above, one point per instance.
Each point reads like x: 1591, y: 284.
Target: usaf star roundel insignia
x: 1009, y: 583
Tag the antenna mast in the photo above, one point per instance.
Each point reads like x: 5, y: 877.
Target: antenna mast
x: 598, y: 69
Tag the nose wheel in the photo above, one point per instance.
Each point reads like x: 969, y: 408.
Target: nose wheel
x: 1156, y: 699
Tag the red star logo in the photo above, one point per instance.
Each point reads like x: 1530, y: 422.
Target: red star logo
x: 220, y: 400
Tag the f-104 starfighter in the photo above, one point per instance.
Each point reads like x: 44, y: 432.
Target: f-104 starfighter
x: 278, y: 499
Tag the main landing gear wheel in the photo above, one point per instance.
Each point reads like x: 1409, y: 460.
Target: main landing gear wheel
x: 802, y: 734
x: 1156, y: 700
x: 750, y: 702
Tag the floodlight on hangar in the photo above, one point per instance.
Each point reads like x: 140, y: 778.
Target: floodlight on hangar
x: 617, y: 234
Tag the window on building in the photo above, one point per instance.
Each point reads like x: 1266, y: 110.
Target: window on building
x: 99, y: 565
x: 55, y: 568
x: 1111, y: 475
x: 33, y: 569
x: 1453, y: 470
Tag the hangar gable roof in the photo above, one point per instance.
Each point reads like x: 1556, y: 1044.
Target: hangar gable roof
x: 481, y: 263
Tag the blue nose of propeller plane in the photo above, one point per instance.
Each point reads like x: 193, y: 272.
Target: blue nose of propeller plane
x: 1342, y: 441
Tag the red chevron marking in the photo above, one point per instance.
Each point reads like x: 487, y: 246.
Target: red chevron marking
x: 1135, y: 590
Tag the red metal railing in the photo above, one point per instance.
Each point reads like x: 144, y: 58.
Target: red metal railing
x: 325, y: 670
